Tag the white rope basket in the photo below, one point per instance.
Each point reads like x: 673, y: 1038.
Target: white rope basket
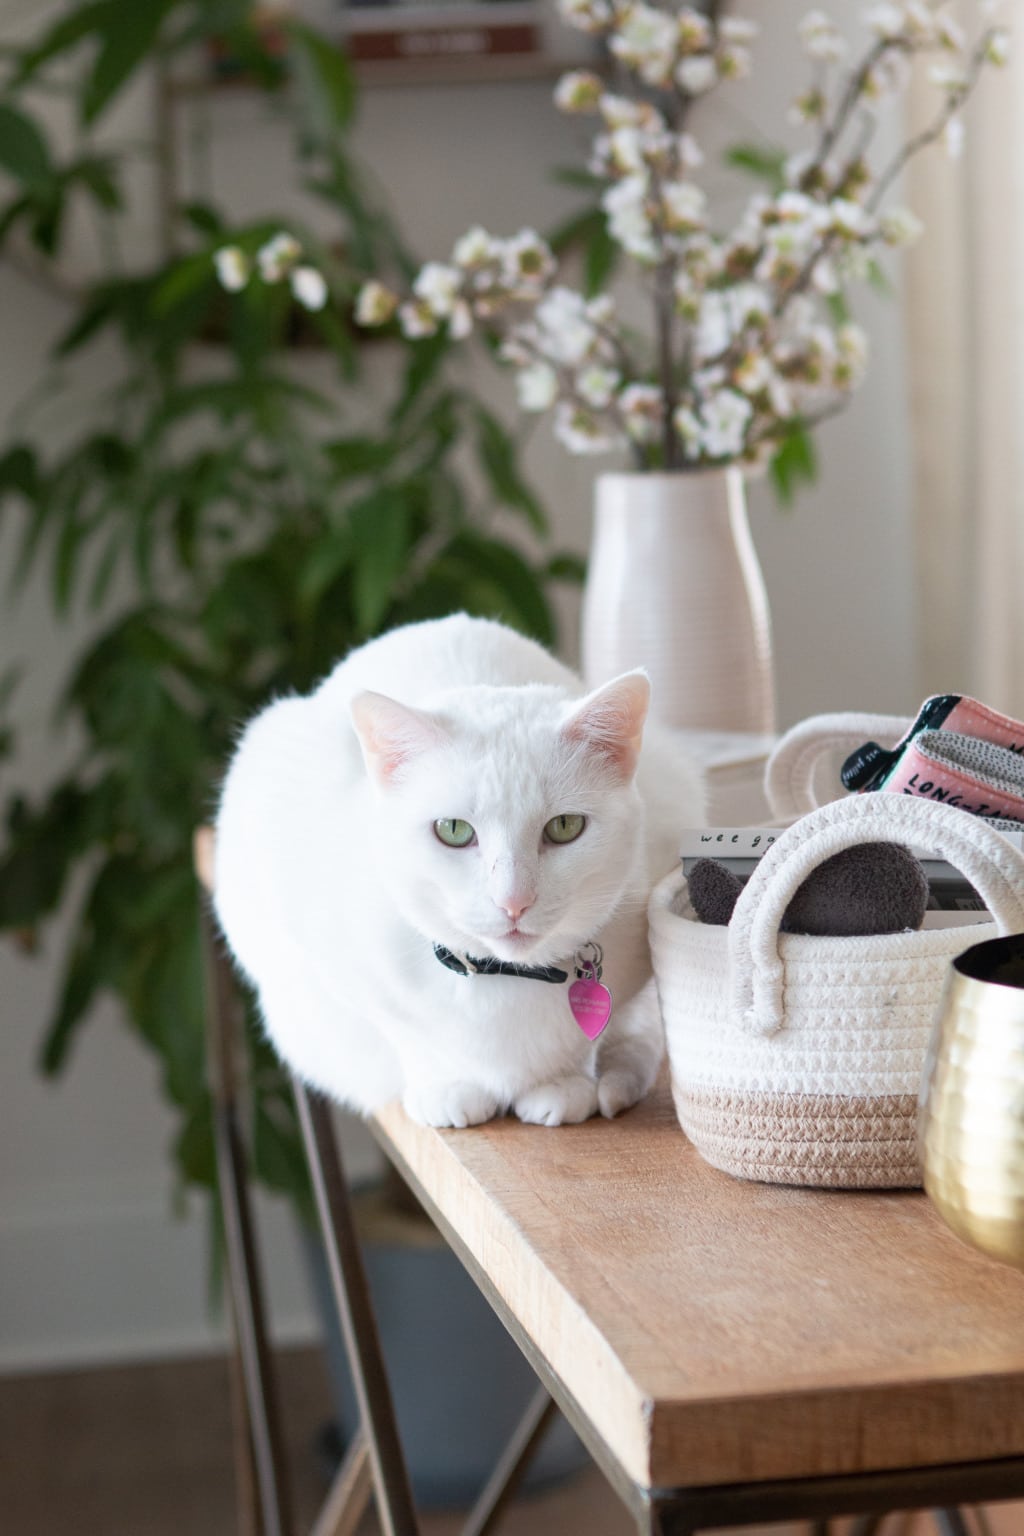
x: 795, y: 1059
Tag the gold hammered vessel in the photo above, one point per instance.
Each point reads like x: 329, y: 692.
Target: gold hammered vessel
x: 971, y: 1123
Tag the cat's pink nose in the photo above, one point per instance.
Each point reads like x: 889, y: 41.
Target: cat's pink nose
x: 515, y: 906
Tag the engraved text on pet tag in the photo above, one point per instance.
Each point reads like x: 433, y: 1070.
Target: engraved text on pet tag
x: 591, y: 1003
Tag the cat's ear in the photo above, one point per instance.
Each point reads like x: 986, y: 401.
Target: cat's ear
x: 610, y: 721
x: 392, y: 734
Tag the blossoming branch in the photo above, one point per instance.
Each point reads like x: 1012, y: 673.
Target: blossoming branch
x: 751, y: 339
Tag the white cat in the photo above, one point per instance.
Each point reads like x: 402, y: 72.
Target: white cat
x: 497, y: 811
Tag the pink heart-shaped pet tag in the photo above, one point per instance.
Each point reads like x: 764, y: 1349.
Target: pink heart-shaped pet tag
x: 591, y: 1005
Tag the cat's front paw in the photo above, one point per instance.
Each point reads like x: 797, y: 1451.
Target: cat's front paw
x: 449, y: 1104
x: 564, y: 1101
x: 620, y: 1088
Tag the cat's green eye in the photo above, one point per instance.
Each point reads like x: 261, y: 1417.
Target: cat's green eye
x: 564, y: 829
x: 453, y: 832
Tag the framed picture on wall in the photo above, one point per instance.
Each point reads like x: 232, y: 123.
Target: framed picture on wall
x: 410, y: 31
x: 453, y: 38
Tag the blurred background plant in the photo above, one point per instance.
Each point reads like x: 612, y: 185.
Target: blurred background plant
x: 228, y: 529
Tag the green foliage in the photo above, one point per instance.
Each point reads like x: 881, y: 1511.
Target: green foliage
x: 765, y: 162
x: 793, y: 463
x: 231, y: 529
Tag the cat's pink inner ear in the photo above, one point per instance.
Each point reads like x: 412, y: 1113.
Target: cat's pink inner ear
x: 392, y: 735
x: 610, y: 721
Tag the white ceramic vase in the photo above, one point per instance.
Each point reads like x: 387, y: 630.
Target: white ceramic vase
x: 674, y: 586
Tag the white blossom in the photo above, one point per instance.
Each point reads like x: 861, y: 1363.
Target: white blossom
x: 629, y: 220
x: 579, y: 91
x: 753, y: 373
x: 821, y: 37
x: 918, y: 21
x: 951, y: 77
x: 375, y: 304
x: 642, y: 407
x: 308, y: 287
x: 600, y: 310
x: 684, y: 206
x: 537, y: 387
x: 527, y: 260
x: 688, y: 428
x: 439, y: 286
x: 586, y: 15
x: 714, y: 326
x: 582, y: 432
x: 276, y: 258
x: 899, y: 226
x: 564, y: 329
x: 734, y: 63
x: 460, y: 320
x: 885, y: 21
x: 647, y: 40
x: 888, y: 74
x: 725, y: 418
x: 697, y: 74
x: 949, y: 32
x: 688, y: 152
x: 954, y: 138
x: 852, y: 350
x: 475, y: 249
x: 417, y: 319
x: 625, y: 151
x: 597, y: 384
x: 849, y: 219
x: 694, y: 30
x: 233, y: 268
x: 624, y: 112
x: 998, y: 49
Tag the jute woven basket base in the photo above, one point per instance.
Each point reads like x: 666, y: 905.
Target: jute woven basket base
x: 787, y: 1138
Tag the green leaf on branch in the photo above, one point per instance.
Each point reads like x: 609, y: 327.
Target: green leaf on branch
x: 19, y: 472
x: 129, y: 30
x: 97, y: 173
x: 498, y: 582
x: 63, y: 36
x: 838, y: 307
x: 194, y: 1149
x: 572, y: 176
x: 576, y: 230
x: 325, y: 79
x: 23, y: 150
x: 760, y: 160
x: 497, y: 455
x: 381, y: 539
x: 567, y: 566
x: 795, y: 463
x: 600, y: 260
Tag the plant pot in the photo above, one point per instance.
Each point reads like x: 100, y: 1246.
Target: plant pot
x: 460, y: 1384
x: 674, y: 586
x: 971, y: 1123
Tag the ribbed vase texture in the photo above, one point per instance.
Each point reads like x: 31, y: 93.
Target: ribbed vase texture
x: 971, y: 1123
x: 674, y: 586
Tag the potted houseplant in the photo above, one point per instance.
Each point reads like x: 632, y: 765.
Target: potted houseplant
x: 228, y: 528
x: 751, y: 341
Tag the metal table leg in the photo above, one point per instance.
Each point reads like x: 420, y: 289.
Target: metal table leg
x: 248, y: 1311
x: 352, y: 1299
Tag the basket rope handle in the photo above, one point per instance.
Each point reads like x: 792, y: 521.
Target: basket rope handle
x: 789, y: 772
x: 756, y: 972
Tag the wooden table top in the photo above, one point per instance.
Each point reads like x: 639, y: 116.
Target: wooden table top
x: 718, y: 1332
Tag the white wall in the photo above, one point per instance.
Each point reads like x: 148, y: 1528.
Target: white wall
x: 93, y: 1262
